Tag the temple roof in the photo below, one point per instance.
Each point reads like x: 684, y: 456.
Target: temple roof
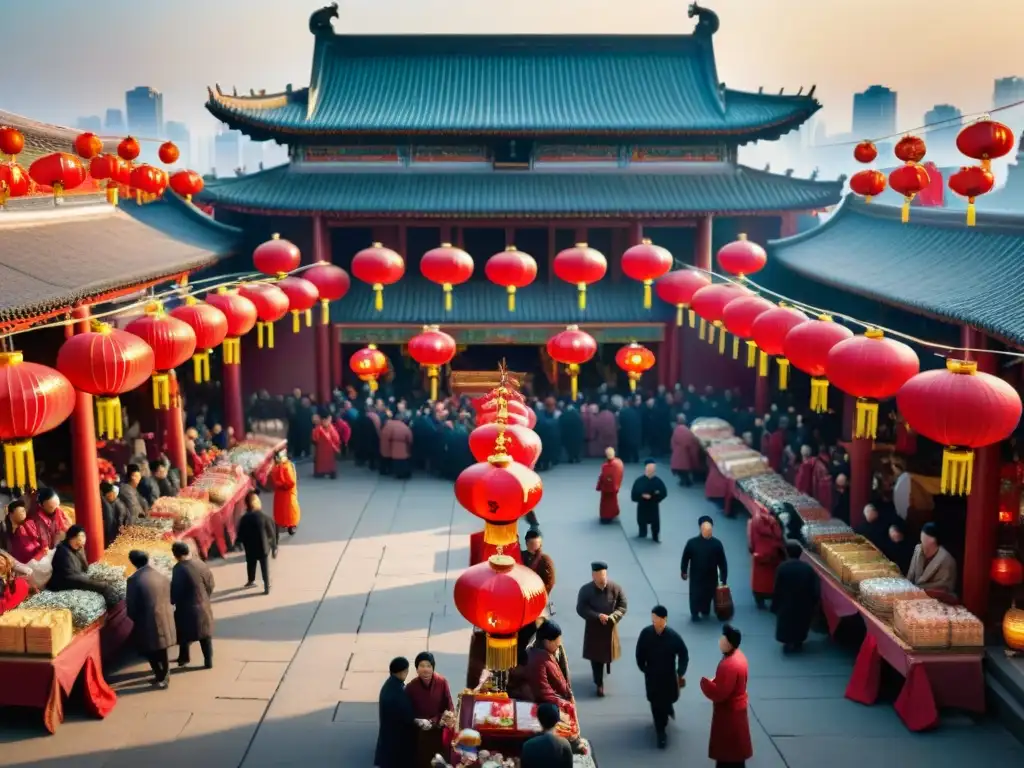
x: 934, y: 265
x: 526, y: 194
x: 543, y: 85
x: 44, y: 138
x: 52, y: 259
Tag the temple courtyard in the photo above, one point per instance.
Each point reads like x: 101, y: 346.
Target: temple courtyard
x: 369, y: 576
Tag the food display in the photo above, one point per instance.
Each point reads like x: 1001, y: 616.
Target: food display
x: 219, y: 487
x: 161, y: 524
x: 252, y: 453
x: 881, y: 595
x: 856, y: 561
x: 494, y: 714
x: 746, y: 466
x: 175, y: 507
x: 816, y: 533
x: 35, y: 631
x: 769, y: 488
x: 729, y: 448
x: 86, y: 608
x: 114, y: 577
x: 930, y: 624
x: 154, y: 541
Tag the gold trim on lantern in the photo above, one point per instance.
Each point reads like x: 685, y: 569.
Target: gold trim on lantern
x: 500, y: 535
x: 264, y: 331
x: 447, y: 288
x: 735, y: 347
x: 582, y: 288
x: 108, y: 418
x: 574, y: 384
x: 378, y: 296
x: 296, y: 320
x: 511, y: 291
x: 325, y: 312
x: 647, y: 293
x: 232, y: 347
x: 962, y: 367
x: 762, y: 364
x: 201, y: 366
x: 433, y: 372
x: 161, y: 391
x: 703, y: 331
x: 751, y: 354
x: 711, y: 332
x: 957, y: 469
x: 502, y: 652
x: 783, y: 373
x: 721, y: 340
x: 819, y: 394
x: 20, y: 462
x: 866, y: 424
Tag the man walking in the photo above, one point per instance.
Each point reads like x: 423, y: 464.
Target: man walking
x: 662, y: 656
x: 648, y: 492
x: 548, y: 750
x: 602, y: 605
x: 397, y: 730
x: 795, y: 600
x: 191, y: 589
x: 258, y: 534
x: 148, y: 602
x: 705, y: 566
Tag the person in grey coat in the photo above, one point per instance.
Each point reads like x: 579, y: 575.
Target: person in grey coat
x: 148, y: 601
x: 191, y: 589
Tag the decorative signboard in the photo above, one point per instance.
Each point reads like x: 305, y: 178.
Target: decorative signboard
x: 351, y: 154
x: 710, y: 153
x: 450, y: 155
x: 574, y: 153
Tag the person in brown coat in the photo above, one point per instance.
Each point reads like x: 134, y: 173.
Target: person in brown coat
x: 191, y: 589
x: 396, y: 446
x: 685, y: 452
x: 604, y: 432
x: 540, y: 563
x: 602, y: 605
x: 148, y: 601
x: 608, y: 485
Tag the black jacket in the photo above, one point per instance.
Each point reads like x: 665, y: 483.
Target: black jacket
x: 258, y: 533
x: 69, y: 571
x: 138, y: 506
x: 546, y: 751
x: 115, y: 515
x: 191, y: 589
x: 648, y: 510
x: 663, y: 659
x: 397, y: 735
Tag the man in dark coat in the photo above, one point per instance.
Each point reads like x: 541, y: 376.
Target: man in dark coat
x: 540, y: 563
x: 648, y: 493
x: 157, y: 484
x: 630, y: 434
x: 705, y: 567
x: 365, y: 440
x: 138, y: 507
x: 423, y: 438
x: 191, y: 590
x: 551, y: 445
x: 396, y: 736
x: 795, y: 600
x: 258, y: 534
x: 70, y: 566
x: 547, y: 750
x: 115, y: 512
x: 573, y: 435
x: 602, y: 605
x: 148, y: 601
x: 663, y: 657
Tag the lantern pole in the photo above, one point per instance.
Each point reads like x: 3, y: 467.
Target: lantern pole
x: 860, y: 477
x: 322, y: 333
x: 174, y: 431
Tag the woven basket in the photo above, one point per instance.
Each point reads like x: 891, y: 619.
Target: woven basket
x: 49, y: 634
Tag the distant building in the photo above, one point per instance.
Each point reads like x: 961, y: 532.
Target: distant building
x: 180, y: 135
x: 90, y: 123
x: 252, y: 155
x: 114, y: 121
x: 227, y: 153
x: 145, y: 112
x: 1008, y: 90
x: 874, y: 112
x: 942, y: 139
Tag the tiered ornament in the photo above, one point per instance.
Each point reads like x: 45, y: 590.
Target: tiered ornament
x: 33, y: 399
x: 769, y: 332
x: 378, y: 266
x: 677, y: 288
x: 511, y: 269
x: 909, y: 179
x: 88, y: 145
x: 106, y: 363
x: 173, y: 341
x: 433, y: 349
x: 271, y: 305
x: 807, y: 346
x: 709, y: 303
x: 742, y: 257
x: 635, y: 360
x: 61, y: 171
x: 169, y: 153
x: 113, y: 170
x: 186, y: 184
x: 14, y: 182
x: 870, y: 368
x: 211, y: 328
x: 572, y: 348
x: 332, y: 283
x: 513, y: 412
x: 645, y: 263
x: 963, y: 410
x: 985, y: 140
x: 369, y: 364
x: 241, y: 317
x: 738, y: 318
x: 302, y: 297
x: 580, y: 265
x: 277, y: 257
x: 972, y: 182
x: 447, y: 266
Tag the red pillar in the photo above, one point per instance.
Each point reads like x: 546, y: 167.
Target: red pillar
x: 789, y: 225
x: 702, y: 244
x: 231, y: 373
x: 322, y: 341
x: 762, y: 395
x: 174, y: 425
x: 88, y: 507
x: 580, y: 235
x: 336, y: 362
x: 860, y: 477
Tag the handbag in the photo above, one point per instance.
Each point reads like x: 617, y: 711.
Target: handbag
x: 724, y: 608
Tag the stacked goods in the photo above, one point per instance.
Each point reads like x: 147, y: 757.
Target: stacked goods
x: 250, y: 454
x: 115, y: 579
x: 881, y: 595
x: 815, y: 512
x: 930, y: 624
x: 219, y: 486
x: 816, y: 533
x: 160, y: 524
x: 749, y: 466
x: 48, y: 633
x: 12, y: 630
x: 712, y: 431
x: 854, y: 562
x: 184, y: 512
x: 162, y: 563
x: 151, y: 540
x: 730, y: 448
x: 86, y: 607
x: 769, y: 489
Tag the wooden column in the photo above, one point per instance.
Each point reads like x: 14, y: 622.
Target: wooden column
x: 580, y: 234
x: 403, y: 241
x: 790, y: 224
x: 510, y: 236
x: 86, y: 477
x: 446, y: 234
x: 860, y: 477
x: 702, y: 243
x: 337, y: 374
x: 322, y: 340
x: 174, y: 423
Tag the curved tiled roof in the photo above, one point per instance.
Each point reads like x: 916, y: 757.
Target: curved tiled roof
x: 44, y: 138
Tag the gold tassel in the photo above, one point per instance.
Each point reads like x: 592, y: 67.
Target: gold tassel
x: 711, y: 333
x: 762, y: 364
x: 819, y: 394
x: 751, y: 354
x: 309, y: 318
x: 511, y: 290
x: 972, y: 217
x: 270, y: 335
x: 957, y: 469
x: 866, y: 425
x: 783, y: 373
x: 108, y: 418
x: 905, y: 210
x: 632, y: 383
x: 259, y: 334
x: 296, y: 321
x: 582, y: 288
x: 691, y: 316
x: 372, y: 383
x: 112, y: 196
x: 502, y: 652
x: 574, y: 383
x: 201, y: 366
x: 500, y: 535
x: 647, y: 293
x: 325, y: 312
x: 232, y: 352
x: 447, y: 297
x: 432, y: 373
x: 161, y: 391
x: 703, y: 328
x: 20, y: 463
x: 721, y: 341
x: 679, y: 315
x: 735, y: 347
x: 378, y: 297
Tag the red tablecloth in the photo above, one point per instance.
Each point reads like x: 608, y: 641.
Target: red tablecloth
x: 116, y: 630
x: 717, y: 485
x: 508, y: 742
x: 932, y: 679
x: 42, y: 683
x: 220, y: 526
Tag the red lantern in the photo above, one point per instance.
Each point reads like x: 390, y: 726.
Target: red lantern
x: 511, y: 269
x: 88, y: 145
x: 580, y: 265
x: 908, y: 180
x: 169, y: 153
x: 1007, y: 570
x: 645, y: 263
x: 521, y: 443
x: 769, y: 331
x: 105, y: 363
x: 211, y: 328
x: 515, y: 412
x: 276, y: 257
x: 186, y: 184
x: 709, y: 303
x: 433, y: 349
x: 572, y: 347
x: 499, y: 491
x: 368, y: 364
x: 870, y: 368
x: 910, y: 149
x: 33, y: 399
x: 742, y: 257
x: 128, y: 149
x: 147, y: 181
x: 302, y: 297
x: 112, y: 169
x: 271, y: 305
x: 972, y: 182
x: 378, y: 266
x: 447, y: 266
x: 14, y: 182
x: 173, y: 342
x: 12, y: 141
x: 807, y: 347
x: 865, y: 152
x: 677, y: 288
x: 500, y: 597
x: 332, y: 283
x: 962, y: 409
x: 985, y: 140
x: 868, y: 184
x: 241, y: 317
x: 635, y: 360
x: 59, y: 170
x: 738, y: 317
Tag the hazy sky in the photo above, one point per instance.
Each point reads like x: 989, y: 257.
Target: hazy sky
x: 65, y: 58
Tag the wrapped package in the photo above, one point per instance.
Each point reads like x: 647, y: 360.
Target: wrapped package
x: 48, y: 632
x: 881, y: 595
x: 827, y: 532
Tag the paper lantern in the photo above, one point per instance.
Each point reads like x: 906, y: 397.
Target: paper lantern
x: 169, y: 153
x: 369, y: 363
x: 1013, y: 629
x: 12, y: 141
x: 646, y: 263
x: 241, y: 316
x: 908, y: 180
x: 173, y: 341
x: 129, y: 149
x: 378, y: 266
x: 635, y: 360
x: 521, y: 442
x: 1007, y: 570
x: 88, y: 145
x: 865, y: 152
x: 742, y: 256
x: 14, y: 182
x: 447, y: 266
x: 332, y: 283
x: 572, y: 348
x: 271, y: 305
x: 972, y: 182
x: 186, y: 184
x: 211, y: 328
x: 111, y: 169
x: 677, y: 288
x: 807, y: 346
x: 910, y: 149
x: 302, y: 297
x: 985, y: 140
x: 580, y: 265
x: 433, y: 349
x: 868, y: 184
x: 709, y: 303
x: 277, y: 256
x: 511, y: 269
x: 148, y: 182
x: 738, y: 318
x: 769, y: 332
x: 963, y: 410
x: 499, y: 491
x: 60, y: 171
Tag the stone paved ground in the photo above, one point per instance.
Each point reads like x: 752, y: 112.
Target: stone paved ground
x: 369, y: 576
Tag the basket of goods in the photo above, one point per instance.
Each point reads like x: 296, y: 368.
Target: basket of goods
x: 827, y: 532
x: 220, y: 487
x: 115, y: 579
x: 12, y: 630
x: 48, y: 633
x: 930, y: 624
x: 881, y: 595
x: 86, y: 607
x: 176, y: 507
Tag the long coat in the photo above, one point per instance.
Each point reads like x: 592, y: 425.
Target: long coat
x: 767, y: 550
x: 604, y: 433
x: 794, y: 601
x: 609, y: 483
x: 191, y: 589
x: 541, y: 564
x: 938, y: 574
x: 663, y: 658
x: 258, y: 533
x: 705, y: 565
x: 396, y: 440
x: 327, y: 442
x: 648, y: 511
x: 397, y: 734
x: 685, y: 450
x: 286, y: 495
x: 601, y: 641
x: 148, y: 601
x: 730, y: 726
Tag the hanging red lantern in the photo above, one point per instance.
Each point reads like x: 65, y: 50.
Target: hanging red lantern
x: 961, y: 409
x: 868, y: 184
x: 865, y: 152
x: 128, y: 149
x: 14, y: 182
x: 515, y: 412
x: 1007, y: 570
x: 88, y: 145
x: 147, y: 181
x: 738, y: 318
x: 499, y: 491
x: 511, y: 269
x: 500, y: 597
x: 186, y: 184
x: 378, y: 266
x: 572, y: 348
x: 241, y: 316
x: 635, y: 360
x: 12, y: 141
x: 271, y: 305
x: 332, y: 284
x: 742, y: 257
x: 433, y: 349
x: 807, y: 346
x: 447, y: 266
x: 169, y: 153
x: 870, y: 368
x: 60, y: 171
x: 211, y: 328
x: 908, y: 180
x: 277, y: 256
x: 173, y: 342
x: 910, y: 149
x: 302, y: 297
x: 677, y: 288
x: 769, y: 332
x: 33, y: 399
x: 580, y: 265
x: 645, y: 263
x: 106, y: 363
x: 112, y: 169
x: 972, y: 182
x: 985, y: 140
x: 709, y: 303
x: 521, y: 442
x: 369, y: 363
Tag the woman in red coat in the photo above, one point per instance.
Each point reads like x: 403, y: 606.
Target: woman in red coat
x: 685, y: 452
x: 767, y: 547
x: 327, y: 442
x: 730, y: 745
x: 609, y: 483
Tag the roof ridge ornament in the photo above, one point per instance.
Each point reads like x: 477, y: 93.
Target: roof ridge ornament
x: 707, y: 20
x: 320, y: 21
